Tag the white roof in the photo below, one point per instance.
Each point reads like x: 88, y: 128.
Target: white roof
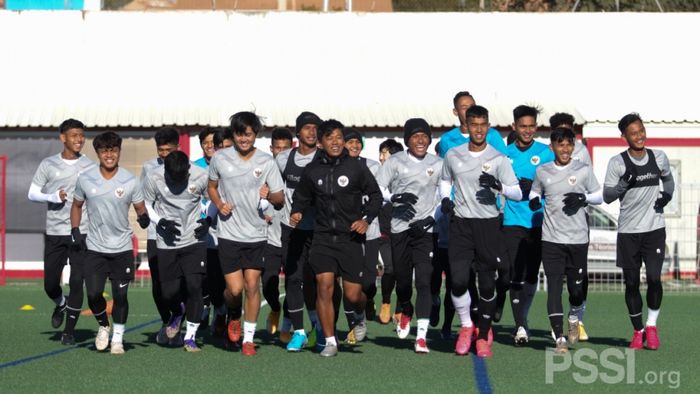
x: 195, y: 68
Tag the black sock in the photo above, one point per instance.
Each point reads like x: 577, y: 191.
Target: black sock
x: 557, y: 322
x: 102, y: 319
x: 71, y: 320
x: 235, y: 313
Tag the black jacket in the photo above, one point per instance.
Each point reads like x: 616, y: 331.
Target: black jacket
x: 335, y: 187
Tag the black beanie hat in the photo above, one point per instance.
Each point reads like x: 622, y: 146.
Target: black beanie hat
x: 351, y: 133
x: 307, y: 117
x: 413, y: 126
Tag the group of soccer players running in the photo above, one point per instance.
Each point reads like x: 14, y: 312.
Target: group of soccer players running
x: 482, y: 212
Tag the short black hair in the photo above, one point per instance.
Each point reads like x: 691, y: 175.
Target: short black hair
x: 240, y: 121
x: 167, y: 136
x: 477, y: 111
x: 222, y: 134
x: 524, y: 110
x: 459, y: 95
x: 70, y: 124
x: 206, y: 132
x: 391, y: 145
x: 561, y: 118
x: 281, y: 133
x: 628, y: 120
x: 327, y: 127
x: 562, y: 133
x: 106, y: 140
x: 177, y: 165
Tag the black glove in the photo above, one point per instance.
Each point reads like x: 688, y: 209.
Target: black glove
x: 78, y: 240
x: 404, y: 198
x: 404, y: 212
x: 573, y: 202
x: 169, y: 228
x: 202, y: 231
x: 525, y: 186
x: 629, y: 178
x: 488, y: 180
x: 661, y: 202
x: 535, y: 204
x: 447, y: 206
x: 419, y: 227
x: 143, y: 220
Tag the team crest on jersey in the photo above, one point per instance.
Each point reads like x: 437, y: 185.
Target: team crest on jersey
x: 572, y: 180
x: 535, y: 160
x: 429, y: 171
x: 343, y: 181
x: 257, y: 172
x: 119, y: 192
x: 192, y: 188
x: 486, y: 167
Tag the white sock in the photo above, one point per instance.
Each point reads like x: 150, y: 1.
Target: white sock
x: 191, y: 330
x: 248, y: 331
x: 330, y: 341
x: 313, y: 317
x: 60, y: 300
x: 286, y: 325
x: 300, y: 332
x: 652, y: 315
x: 422, y: 330
x: 462, y: 304
x: 118, y: 333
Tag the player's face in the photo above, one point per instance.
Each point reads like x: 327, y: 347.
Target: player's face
x: 166, y: 149
x: 244, y: 142
x: 333, y: 143
x: 208, y: 147
x: 562, y: 151
x: 73, y: 140
x: 354, y: 147
x: 525, y: 128
x: 384, y: 155
x: 109, y: 157
x: 307, y: 135
x: 463, y: 104
x: 478, y: 127
x: 279, y: 145
x: 635, y: 135
x: 418, y: 144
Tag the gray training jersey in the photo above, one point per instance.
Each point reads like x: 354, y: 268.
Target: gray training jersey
x: 239, y: 185
x: 373, y: 231
x: 181, y: 206
x: 552, y: 182
x: 274, y: 230
x: 463, y: 168
x: 55, y: 174
x: 108, y: 204
x: 402, y: 173
x: 309, y: 214
x: 637, y: 214
x: 580, y: 154
x: 149, y: 166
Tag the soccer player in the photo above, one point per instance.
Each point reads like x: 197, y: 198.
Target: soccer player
x: 176, y: 190
x: 566, y: 186
x: 167, y: 140
x: 108, y: 191
x: 53, y: 184
x: 336, y: 184
x: 410, y: 181
x: 296, y: 240
x: 236, y: 177
x: 477, y: 171
x: 633, y: 178
x: 522, y: 228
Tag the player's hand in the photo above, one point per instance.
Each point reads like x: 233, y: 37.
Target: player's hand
x: 535, y: 204
x: 225, y: 209
x: 490, y: 181
x: 661, y: 202
x: 525, y: 186
x: 264, y: 191
x: 404, y: 198
x: 169, y: 228
x: 359, y: 226
x: 77, y: 240
x: 62, y: 195
x: 447, y: 206
x: 629, y: 178
x: 573, y: 202
x: 268, y: 219
x: 404, y: 212
x: 418, y: 228
x: 143, y: 220
x: 295, y: 218
x: 203, y: 229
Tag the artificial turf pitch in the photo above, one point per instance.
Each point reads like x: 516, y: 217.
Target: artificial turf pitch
x: 33, y: 360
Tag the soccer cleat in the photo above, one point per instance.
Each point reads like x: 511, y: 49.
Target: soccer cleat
x: 273, y: 321
x: 582, y: 334
x: 562, y: 346
x: 489, y: 337
x: 385, y: 314
x: 59, y: 313
x: 435, y: 314
x: 116, y: 348
x: 652, y: 337
x: 397, y: 317
x: 162, y: 337
x: 285, y: 336
x: 351, y: 339
x: 360, y: 330
x: 190, y: 346
x: 637, y: 342
x: 464, y: 340
x: 329, y: 351
x: 204, y: 323
x: 521, y: 336
x: 67, y: 339
x: 483, y: 348
x: 573, y: 331
x: 298, y: 341
x: 219, y: 325
x: 102, y: 338
x: 234, y: 331
x: 446, y: 334
x: 370, y: 310
x: 421, y: 346
x: 173, y: 327
x: 248, y: 349
x: 404, y: 326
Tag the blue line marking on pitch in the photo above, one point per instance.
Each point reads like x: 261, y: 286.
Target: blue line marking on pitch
x: 66, y: 349
x: 481, y: 376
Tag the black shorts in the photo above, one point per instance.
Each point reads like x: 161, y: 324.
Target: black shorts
x: 524, y: 246
x: 479, y: 242
x: 345, y: 258
x: 559, y: 259
x: 56, y: 251
x: 272, y: 258
x: 188, y: 260
x: 409, y: 252
x: 649, y: 247
x: 213, y: 265
x: 296, y: 245
x: 117, y: 266
x: 234, y: 256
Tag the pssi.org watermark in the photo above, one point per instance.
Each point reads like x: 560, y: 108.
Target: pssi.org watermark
x: 610, y: 366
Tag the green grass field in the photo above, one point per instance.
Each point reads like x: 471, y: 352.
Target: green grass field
x: 33, y: 360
